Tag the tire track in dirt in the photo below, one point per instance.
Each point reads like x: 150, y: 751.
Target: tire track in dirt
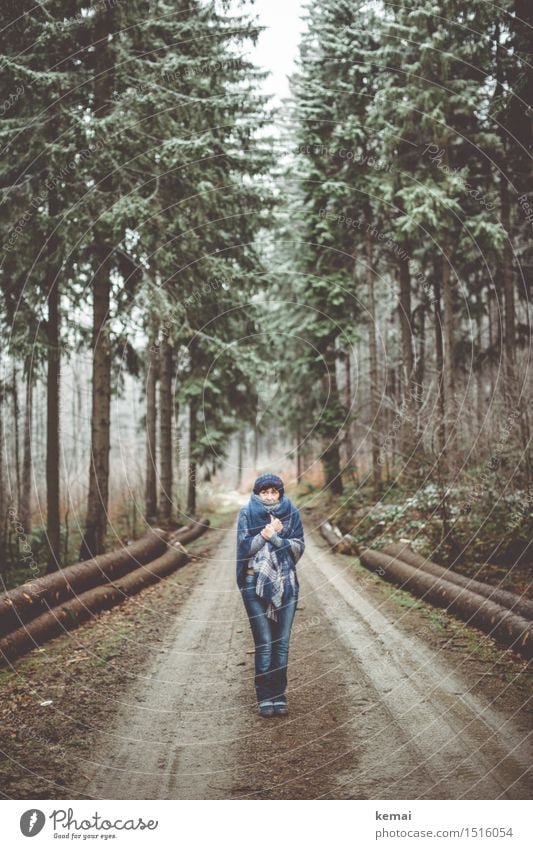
x: 374, y: 712
x: 468, y: 749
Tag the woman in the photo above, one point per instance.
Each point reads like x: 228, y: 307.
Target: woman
x: 270, y: 541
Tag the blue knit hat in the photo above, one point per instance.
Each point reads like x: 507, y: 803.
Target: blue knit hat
x: 269, y: 479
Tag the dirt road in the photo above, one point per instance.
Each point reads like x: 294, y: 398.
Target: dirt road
x: 375, y: 712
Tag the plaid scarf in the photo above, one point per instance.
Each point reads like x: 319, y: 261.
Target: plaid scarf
x: 274, y: 567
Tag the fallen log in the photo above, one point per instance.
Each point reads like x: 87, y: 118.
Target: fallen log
x: 520, y: 606
x: 495, y: 620
x: 24, y: 603
x: 72, y: 613
x: 191, y: 531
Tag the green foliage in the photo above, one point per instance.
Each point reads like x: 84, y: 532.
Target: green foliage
x: 143, y: 138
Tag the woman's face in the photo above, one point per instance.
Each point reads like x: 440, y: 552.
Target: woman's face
x: 269, y: 495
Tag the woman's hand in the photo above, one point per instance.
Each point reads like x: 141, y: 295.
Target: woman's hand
x: 271, y: 528
x: 267, y: 531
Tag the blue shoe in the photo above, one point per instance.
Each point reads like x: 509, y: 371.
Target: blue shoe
x: 280, y: 706
x: 266, y: 708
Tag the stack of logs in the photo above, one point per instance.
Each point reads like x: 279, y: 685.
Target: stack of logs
x: 503, y: 615
x: 45, y: 607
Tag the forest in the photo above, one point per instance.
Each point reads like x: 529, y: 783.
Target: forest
x: 266, y: 270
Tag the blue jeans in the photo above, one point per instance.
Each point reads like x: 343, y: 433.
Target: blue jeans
x: 271, y: 641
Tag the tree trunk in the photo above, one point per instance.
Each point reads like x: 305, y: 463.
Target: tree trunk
x: 440, y: 431
x: 337, y: 542
x: 24, y: 603
x: 2, y: 479
x: 52, y: 418
x: 93, y: 541
x: 189, y: 532
x: 298, y: 453
x: 74, y: 612
x: 330, y: 430
x: 449, y: 347
x: 473, y: 609
x: 16, y: 436
x: 408, y: 437
x: 393, y: 395
x: 480, y: 393
x: 151, y: 430
x: 420, y: 365
x: 518, y: 604
x: 240, y: 455
x: 165, y: 432
x: 495, y: 339
x: 374, y: 377
x: 343, y: 374
x: 348, y: 403
x: 176, y: 446
x: 442, y: 461
x: 25, y: 500
x: 516, y: 398
x: 509, y: 303
x: 191, y: 487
